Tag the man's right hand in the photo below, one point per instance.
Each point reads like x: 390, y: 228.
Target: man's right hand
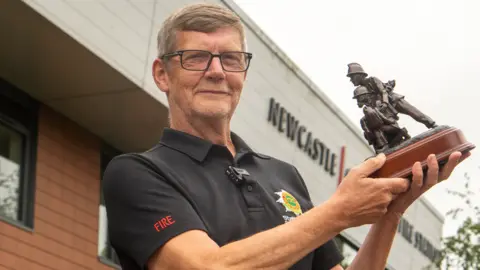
x: 364, y: 200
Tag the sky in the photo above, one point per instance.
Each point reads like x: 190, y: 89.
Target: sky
x: 430, y: 47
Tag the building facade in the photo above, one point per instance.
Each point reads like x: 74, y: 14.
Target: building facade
x: 76, y: 90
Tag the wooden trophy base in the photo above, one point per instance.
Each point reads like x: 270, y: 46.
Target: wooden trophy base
x: 441, y: 141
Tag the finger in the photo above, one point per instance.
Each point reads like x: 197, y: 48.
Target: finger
x: 417, y: 179
x: 447, y: 169
x: 394, y: 185
x: 369, y: 166
x: 464, y: 156
x: 432, y: 173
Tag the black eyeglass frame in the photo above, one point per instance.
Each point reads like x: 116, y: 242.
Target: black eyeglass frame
x: 248, y: 56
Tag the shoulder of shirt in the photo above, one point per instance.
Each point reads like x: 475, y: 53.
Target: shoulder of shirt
x: 374, y: 79
x: 276, y: 161
x: 145, y: 158
x: 121, y: 161
x: 133, y: 155
x: 126, y: 166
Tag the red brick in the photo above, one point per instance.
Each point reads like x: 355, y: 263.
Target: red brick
x: 52, y: 232
x: 43, y: 213
x: 4, y: 268
x: 13, y: 231
x: 91, y: 190
x: 102, y: 266
x: 67, y: 197
x: 54, y: 204
x: 24, y: 263
x: 65, y: 238
x: 35, y: 255
x: 81, y: 256
x: 51, y: 131
x: 49, y: 187
x: 66, y: 209
x: 79, y: 174
x: 79, y: 202
x: 69, y: 254
x: 51, y: 135
x: 8, y: 259
x: 52, y: 146
x: 67, y: 224
x: 85, y: 246
x: 79, y: 136
x: 49, y: 172
x: 84, y: 165
x: 46, y: 156
x: 84, y: 218
x: 88, y: 156
x: 62, y: 181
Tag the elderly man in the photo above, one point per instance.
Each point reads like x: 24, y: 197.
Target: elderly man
x: 202, y: 199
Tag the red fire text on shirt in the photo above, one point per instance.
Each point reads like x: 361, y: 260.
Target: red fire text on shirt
x: 163, y: 223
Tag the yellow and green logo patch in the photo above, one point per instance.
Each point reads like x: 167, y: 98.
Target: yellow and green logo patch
x: 289, y: 202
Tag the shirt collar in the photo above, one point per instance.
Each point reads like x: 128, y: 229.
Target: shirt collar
x: 199, y: 148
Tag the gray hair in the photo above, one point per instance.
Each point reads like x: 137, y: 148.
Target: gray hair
x: 206, y: 18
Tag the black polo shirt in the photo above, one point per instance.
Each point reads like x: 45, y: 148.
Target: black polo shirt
x: 184, y: 183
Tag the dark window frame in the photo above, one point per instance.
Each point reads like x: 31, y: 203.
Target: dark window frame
x: 19, y: 112
x: 340, y: 239
x: 106, y: 154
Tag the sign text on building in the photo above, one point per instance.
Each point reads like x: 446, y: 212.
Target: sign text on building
x: 420, y: 242
x: 286, y: 123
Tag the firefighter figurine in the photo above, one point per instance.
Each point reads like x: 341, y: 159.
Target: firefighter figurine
x: 379, y: 123
x: 384, y: 93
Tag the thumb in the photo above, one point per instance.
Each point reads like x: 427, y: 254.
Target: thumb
x: 370, y: 165
x: 395, y: 185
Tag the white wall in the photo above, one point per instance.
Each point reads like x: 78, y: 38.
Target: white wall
x: 123, y: 33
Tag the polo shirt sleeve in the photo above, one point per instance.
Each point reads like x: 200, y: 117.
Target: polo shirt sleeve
x: 144, y: 209
x: 328, y: 255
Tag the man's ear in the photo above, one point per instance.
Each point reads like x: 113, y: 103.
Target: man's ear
x: 159, y: 73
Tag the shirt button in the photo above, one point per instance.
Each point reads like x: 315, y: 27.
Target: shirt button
x: 249, y: 187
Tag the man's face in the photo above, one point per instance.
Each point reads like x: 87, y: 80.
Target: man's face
x: 356, y: 79
x: 213, y: 93
x: 362, y: 100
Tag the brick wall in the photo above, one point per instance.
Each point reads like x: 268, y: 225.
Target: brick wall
x: 66, y: 202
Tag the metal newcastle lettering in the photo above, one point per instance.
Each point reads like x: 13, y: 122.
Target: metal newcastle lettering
x: 287, y: 123
x: 415, y: 238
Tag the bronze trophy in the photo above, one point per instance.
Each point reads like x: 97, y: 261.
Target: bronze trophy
x: 381, y: 106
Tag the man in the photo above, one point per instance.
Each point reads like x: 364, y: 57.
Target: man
x: 359, y: 77
x: 202, y: 199
x: 379, y: 122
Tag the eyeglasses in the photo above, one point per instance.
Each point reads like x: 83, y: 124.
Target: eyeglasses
x: 199, y: 60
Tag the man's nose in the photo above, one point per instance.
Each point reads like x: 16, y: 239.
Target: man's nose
x: 215, y: 69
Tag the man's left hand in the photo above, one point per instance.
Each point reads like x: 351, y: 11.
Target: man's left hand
x: 421, y: 184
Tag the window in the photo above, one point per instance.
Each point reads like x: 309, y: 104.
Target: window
x: 18, y: 127
x: 105, y: 251
x: 11, y: 144
x: 348, y: 250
